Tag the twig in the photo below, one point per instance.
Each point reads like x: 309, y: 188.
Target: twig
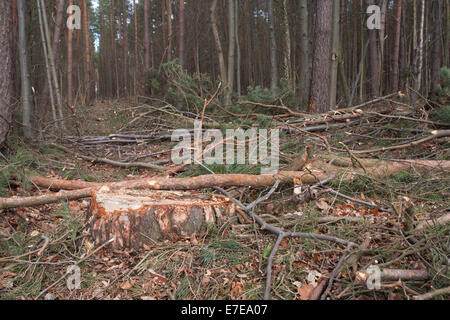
x: 433, y: 294
x: 77, y: 263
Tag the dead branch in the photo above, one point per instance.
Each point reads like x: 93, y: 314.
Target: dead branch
x: 433, y: 294
x: 432, y: 223
x: 125, y: 165
x: 435, y: 135
x: 397, y: 274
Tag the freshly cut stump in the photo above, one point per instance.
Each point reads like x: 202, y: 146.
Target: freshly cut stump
x: 139, y: 217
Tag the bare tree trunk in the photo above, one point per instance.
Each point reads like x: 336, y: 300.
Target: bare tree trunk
x: 55, y: 47
x: 320, y: 83
x: 447, y: 35
x: 126, y: 72
x: 304, y: 51
x: 25, y: 80
x: 231, y: 49
x: 396, y: 53
x: 51, y: 61
x: 114, y: 63
x: 374, y: 58
x: 418, y: 64
x: 69, y: 65
x: 135, y: 50
x: 6, y: 70
x: 170, y: 31
x: 181, y: 37
x: 273, y: 49
x: 436, y: 45
x: 215, y: 30
x: 238, y: 48
x: 47, y: 67
x: 287, y: 41
x: 146, y: 37
x: 335, y: 53
x: 87, y: 56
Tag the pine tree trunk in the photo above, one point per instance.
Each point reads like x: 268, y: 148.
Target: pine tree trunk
x: 181, y: 37
x: 320, y: 84
x: 304, y: 51
x: 374, y: 60
x: 436, y: 45
x: 334, y: 53
x: 231, y: 48
x: 215, y: 30
x: 25, y: 80
x: 69, y: 65
x: 396, y: 52
x: 169, y: 30
x: 6, y: 70
x: 86, y: 56
x: 273, y: 49
x: 146, y: 37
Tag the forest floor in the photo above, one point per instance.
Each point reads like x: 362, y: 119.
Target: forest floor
x: 38, y: 244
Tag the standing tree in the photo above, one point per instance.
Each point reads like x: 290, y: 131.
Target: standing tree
x: 273, y: 48
x: 25, y: 80
x: 334, y: 53
x: 231, y: 48
x: 304, y: 51
x: 374, y: 60
x: 146, y: 36
x: 396, y: 52
x: 6, y: 70
x: 181, y: 37
x: 320, y: 83
x: 69, y: 65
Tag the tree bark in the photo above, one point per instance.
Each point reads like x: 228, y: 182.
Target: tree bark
x: 146, y: 37
x: 304, y: 51
x: 55, y: 48
x: 320, y: 84
x: 215, y: 30
x: 169, y: 29
x: 70, y: 65
x: 396, y: 52
x: 231, y: 48
x: 181, y: 39
x: 418, y: 63
x: 436, y: 54
x: 86, y: 53
x: 335, y: 53
x: 374, y: 59
x: 6, y: 70
x: 273, y: 49
x: 25, y: 79
x: 81, y: 189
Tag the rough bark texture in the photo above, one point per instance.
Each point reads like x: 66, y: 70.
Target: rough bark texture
x: 136, y: 218
x: 396, y: 53
x: 6, y: 70
x: 320, y: 85
x: 146, y: 36
x: 181, y: 38
x: 374, y: 61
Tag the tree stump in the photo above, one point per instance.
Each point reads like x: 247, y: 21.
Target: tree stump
x: 139, y: 217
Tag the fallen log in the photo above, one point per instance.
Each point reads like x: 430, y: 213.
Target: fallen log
x: 378, y: 169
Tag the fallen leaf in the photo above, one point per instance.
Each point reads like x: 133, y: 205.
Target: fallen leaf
x: 305, y: 291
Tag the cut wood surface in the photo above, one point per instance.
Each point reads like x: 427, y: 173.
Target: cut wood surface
x: 136, y: 218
